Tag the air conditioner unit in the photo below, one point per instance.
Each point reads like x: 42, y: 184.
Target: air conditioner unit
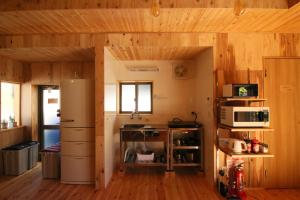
x: 142, y: 68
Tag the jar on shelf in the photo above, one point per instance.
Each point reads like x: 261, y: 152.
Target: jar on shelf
x: 263, y: 148
x: 248, y: 143
x: 255, y: 146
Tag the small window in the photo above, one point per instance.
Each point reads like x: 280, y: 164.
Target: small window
x: 10, y: 103
x: 136, y: 97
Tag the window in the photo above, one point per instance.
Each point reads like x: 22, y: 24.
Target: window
x: 136, y: 97
x: 10, y: 103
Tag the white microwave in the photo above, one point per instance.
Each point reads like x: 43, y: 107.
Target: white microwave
x: 245, y: 116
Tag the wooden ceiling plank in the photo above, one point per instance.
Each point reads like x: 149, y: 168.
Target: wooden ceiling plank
x: 13, y: 5
x: 131, y: 20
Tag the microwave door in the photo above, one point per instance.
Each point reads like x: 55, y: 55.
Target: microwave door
x: 248, y: 116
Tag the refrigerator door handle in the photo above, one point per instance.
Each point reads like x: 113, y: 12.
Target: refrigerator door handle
x: 67, y: 120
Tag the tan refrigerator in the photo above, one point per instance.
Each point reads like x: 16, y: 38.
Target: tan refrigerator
x: 77, y: 131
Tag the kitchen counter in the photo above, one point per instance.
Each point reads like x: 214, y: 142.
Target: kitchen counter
x: 144, y: 127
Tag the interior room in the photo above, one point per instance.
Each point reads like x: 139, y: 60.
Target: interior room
x: 149, y: 100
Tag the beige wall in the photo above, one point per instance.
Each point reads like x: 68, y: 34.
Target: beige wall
x: 171, y: 97
x: 204, y: 105
x: 110, y: 145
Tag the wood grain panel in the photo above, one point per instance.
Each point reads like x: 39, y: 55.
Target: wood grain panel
x: 282, y: 88
x: 11, y: 70
x: 71, y: 4
x: 99, y: 112
x: 153, y: 53
x: 48, y: 54
x: 141, y: 20
x: 12, y: 136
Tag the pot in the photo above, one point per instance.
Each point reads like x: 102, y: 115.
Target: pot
x: 237, y: 146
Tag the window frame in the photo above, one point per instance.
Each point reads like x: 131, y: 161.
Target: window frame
x: 135, y: 83
x: 18, y: 120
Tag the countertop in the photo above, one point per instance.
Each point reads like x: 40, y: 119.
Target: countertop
x: 146, y: 127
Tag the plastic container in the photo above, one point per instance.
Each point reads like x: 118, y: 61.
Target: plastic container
x: 15, y: 159
x: 145, y: 157
x: 1, y: 165
x: 33, y: 153
x: 51, y: 162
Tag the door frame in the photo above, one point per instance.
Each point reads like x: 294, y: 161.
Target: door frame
x: 41, y: 127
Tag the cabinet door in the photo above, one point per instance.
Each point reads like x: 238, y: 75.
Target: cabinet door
x: 282, y: 89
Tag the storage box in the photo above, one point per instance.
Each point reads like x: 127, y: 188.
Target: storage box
x: 145, y: 157
x: 33, y: 152
x: 51, y: 162
x: 15, y: 159
x: 1, y: 165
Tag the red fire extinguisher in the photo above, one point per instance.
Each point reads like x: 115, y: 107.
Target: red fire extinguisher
x: 236, y: 183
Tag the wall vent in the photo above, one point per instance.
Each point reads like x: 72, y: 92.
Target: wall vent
x: 142, y: 68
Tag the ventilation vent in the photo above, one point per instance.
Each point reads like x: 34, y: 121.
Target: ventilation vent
x: 142, y: 68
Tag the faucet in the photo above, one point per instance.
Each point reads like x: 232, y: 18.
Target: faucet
x: 135, y: 113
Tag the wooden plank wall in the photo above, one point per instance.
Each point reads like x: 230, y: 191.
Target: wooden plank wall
x: 233, y: 51
x: 12, y: 136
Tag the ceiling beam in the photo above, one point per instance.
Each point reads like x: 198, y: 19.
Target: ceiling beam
x: 14, y: 5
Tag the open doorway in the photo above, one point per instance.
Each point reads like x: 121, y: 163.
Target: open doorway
x: 49, y: 105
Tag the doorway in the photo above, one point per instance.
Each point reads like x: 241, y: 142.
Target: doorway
x: 49, y: 121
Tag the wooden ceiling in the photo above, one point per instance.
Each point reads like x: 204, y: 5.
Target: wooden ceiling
x: 185, y: 16
x: 48, y: 54
x: 14, y: 5
x: 155, y: 53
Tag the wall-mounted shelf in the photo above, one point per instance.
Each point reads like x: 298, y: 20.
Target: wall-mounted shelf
x: 246, y: 155
x: 244, y: 129
x: 224, y: 99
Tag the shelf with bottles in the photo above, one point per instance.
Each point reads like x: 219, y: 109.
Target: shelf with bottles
x: 245, y: 155
x: 243, y: 148
x: 245, y: 129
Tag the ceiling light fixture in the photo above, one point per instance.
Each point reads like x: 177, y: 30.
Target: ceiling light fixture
x: 239, y: 8
x: 155, y: 8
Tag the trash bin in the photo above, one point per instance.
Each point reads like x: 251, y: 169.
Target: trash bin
x: 1, y: 164
x: 15, y: 159
x: 51, y: 162
x: 33, y: 153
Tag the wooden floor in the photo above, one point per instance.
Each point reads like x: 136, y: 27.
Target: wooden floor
x: 134, y: 185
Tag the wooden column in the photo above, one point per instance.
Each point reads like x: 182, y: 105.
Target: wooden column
x: 99, y: 112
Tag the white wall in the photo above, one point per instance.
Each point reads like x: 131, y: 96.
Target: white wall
x: 110, y: 86
x: 204, y: 107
